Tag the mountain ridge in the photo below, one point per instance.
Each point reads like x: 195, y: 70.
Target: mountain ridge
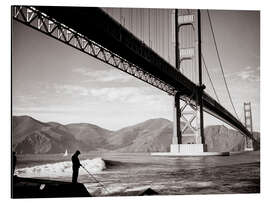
x: 31, y: 136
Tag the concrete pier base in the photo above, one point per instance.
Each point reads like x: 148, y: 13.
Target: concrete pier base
x: 177, y: 154
x: 189, y: 150
x: 249, y: 149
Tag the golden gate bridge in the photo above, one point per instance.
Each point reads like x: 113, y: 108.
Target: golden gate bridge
x: 161, y: 47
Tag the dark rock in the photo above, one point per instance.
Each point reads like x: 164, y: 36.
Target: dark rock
x: 36, y: 188
x: 148, y: 192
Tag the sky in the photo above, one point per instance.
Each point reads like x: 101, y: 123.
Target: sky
x: 54, y: 82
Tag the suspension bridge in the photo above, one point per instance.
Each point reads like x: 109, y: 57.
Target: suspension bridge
x: 161, y: 47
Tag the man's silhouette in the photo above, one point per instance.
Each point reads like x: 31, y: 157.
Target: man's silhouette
x: 14, y: 161
x: 75, y: 166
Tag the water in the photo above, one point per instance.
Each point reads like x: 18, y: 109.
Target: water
x: 132, y: 173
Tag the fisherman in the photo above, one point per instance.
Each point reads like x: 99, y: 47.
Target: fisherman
x: 14, y: 161
x: 75, y: 166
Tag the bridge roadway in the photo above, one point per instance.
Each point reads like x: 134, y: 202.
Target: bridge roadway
x: 99, y: 27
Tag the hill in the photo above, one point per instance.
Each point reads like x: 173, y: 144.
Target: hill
x: 91, y: 135
x: 151, y: 135
x: 22, y: 126
x: 34, y: 137
x: 31, y: 136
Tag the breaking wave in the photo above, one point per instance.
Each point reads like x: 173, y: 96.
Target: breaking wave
x: 61, y: 169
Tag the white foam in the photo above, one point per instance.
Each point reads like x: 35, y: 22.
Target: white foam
x: 61, y: 169
x: 96, y: 190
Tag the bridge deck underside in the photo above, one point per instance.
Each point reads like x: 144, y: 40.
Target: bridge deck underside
x: 99, y: 27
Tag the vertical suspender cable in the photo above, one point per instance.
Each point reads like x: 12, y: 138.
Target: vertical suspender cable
x: 124, y: 19
x: 160, y: 34
x: 136, y: 22
x: 131, y: 19
x: 120, y: 15
x: 129, y: 13
x: 149, y: 27
x: 156, y: 30
x: 143, y: 34
x: 162, y: 27
x: 168, y: 31
x: 141, y: 24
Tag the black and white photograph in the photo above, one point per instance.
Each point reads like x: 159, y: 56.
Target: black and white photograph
x: 129, y: 101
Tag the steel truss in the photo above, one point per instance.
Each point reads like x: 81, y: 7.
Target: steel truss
x: 190, y: 114
x: 188, y: 121
x: 49, y: 26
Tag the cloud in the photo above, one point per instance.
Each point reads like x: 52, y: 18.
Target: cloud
x: 129, y: 95
x: 102, y: 75
x: 25, y: 99
x: 70, y: 89
x: 249, y: 74
x: 50, y: 109
x: 122, y: 94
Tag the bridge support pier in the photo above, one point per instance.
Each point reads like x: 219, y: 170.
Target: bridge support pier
x: 186, y: 137
x: 177, y: 137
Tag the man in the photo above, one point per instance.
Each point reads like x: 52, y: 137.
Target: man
x: 75, y: 166
x: 14, y: 161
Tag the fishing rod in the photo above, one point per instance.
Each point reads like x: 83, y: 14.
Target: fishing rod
x: 102, y: 185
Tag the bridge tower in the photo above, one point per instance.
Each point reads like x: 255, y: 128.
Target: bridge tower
x: 188, y: 134
x: 248, y: 124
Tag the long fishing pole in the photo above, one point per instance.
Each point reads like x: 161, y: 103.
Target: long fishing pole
x: 103, y: 186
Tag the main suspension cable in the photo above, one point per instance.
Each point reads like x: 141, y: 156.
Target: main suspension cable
x: 212, y: 84
x: 223, y: 75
